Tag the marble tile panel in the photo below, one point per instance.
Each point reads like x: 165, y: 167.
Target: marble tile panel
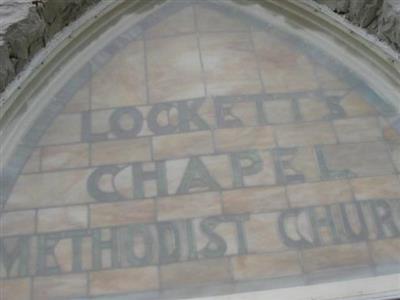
x: 219, y: 168
x: 313, y: 108
x: 329, y: 80
x: 121, y: 151
x: 182, y: 145
x: 383, y: 187
x: 386, y: 254
x: 18, y: 257
x: 358, y: 130
x: 212, y: 20
x: 216, y: 170
x: 66, y: 128
x: 49, y: 189
x: 355, y: 160
x: 225, y: 227
x: 320, y: 193
x: 174, y: 69
x: 123, y: 281
x: 237, y: 139
x: 128, y: 86
x: 17, y: 223
x: 188, y: 206
x: 100, y: 123
x: 151, y: 187
x: 355, y: 105
x: 105, y: 260
x: 67, y: 258
x: 301, y: 78
x: 236, y: 111
x: 267, y: 174
x: 208, y: 114
x: 59, y: 287
x: 339, y: 256
x: 61, y: 256
x: 65, y: 157
x: 33, y: 163
x: 15, y: 289
x: 262, y: 233
x: 395, y: 154
x: 229, y: 64
x: 62, y: 218
x: 175, y: 170
x: 283, y: 68
x: 305, y: 134
x: 181, y: 22
x: 195, y: 273
x: 122, y: 122
x: 80, y: 101
x: 121, y: 183
x: 120, y: 213
x: 296, y: 165
x: 254, y: 200
x: 313, y: 223
x: 391, y: 129
x: 279, y: 111
x: 261, y: 266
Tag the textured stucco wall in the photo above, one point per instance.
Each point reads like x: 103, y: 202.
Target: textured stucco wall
x: 27, y: 25
x: 380, y: 17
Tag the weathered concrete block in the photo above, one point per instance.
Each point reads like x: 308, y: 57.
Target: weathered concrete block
x: 25, y: 29
x: 7, y: 72
x: 363, y: 12
x: 342, y: 6
x: 389, y: 22
x: 380, y: 17
x: 25, y: 38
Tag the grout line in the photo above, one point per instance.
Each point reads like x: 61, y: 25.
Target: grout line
x: 203, y: 72
x: 90, y: 117
x: 155, y: 263
x: 31, y: 293
x: 36, y: 224
x: 270, y: 212
x: 226, y: 189
x: 88, y: 215
x: 274, y: 125
x: 300, y: 261
x: 367, y: 242
x: 273, y: 129
x: 87, y: 283
x: 146, y: 68
x: 387, y: 144
x: 219, y: 153
x: 320, y: 92
x: 253, y: 45
x: 276, y: 95
x: 41, y: 150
